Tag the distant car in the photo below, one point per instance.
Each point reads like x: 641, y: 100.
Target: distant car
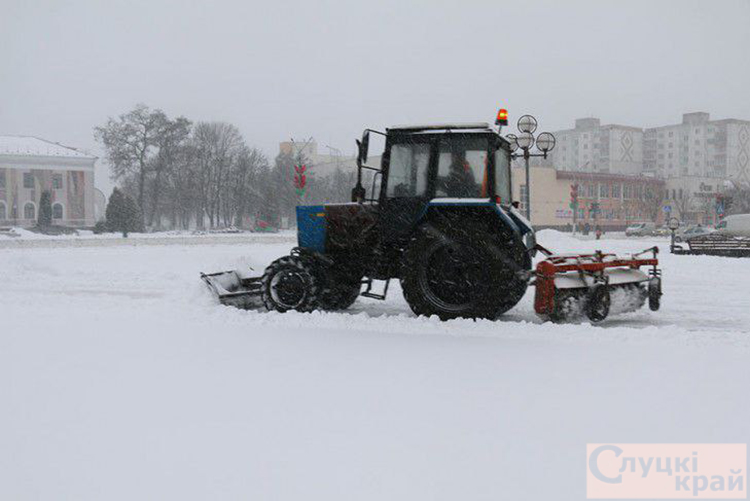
x: 692, y: 231
x: 737, y: 225
x: 640, y: 230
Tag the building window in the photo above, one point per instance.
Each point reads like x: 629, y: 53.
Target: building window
x: 57, y: 182
x: 604, y: 190
x: 616, y: 191
x: 2, y: 179
x: 3, y: 211
x: 29, y: 211
x: 28, y: 180
x: 57, y: 211
x: 591, y: 191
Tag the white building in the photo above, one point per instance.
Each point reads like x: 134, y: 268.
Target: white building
x: 30, y: 166
x: 699, y: 147
x: 592, y: 147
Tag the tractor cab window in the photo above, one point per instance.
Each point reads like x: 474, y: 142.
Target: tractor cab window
x: 462, y: 168
x: 502, y: 176
x: 407, y: 172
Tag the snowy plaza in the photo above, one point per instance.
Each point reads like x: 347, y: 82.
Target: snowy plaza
x: 124, y: 379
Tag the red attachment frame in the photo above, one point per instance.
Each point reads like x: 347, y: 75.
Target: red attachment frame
x: 544, y: 299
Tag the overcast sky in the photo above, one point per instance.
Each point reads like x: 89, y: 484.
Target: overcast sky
x: 328, y: 69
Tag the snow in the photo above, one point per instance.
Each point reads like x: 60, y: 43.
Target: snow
x: 20, y: 237
x: 34, y: 146
x: 122, y: 378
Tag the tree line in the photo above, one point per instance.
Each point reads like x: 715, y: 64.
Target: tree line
x: 183, y: 174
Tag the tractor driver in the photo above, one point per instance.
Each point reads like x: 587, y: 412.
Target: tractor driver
x: 459, y: 182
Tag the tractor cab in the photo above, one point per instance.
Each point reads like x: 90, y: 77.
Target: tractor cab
x: 425, y: 166
x: 438, y: 161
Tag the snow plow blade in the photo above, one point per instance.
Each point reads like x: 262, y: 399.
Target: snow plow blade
x: 596, y: 285
x: 231, y: 289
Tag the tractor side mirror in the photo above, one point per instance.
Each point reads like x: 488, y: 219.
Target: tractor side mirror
x: 363, y: 146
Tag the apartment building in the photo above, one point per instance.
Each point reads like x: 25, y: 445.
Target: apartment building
x: 699, y: 147
x: 593, y: 147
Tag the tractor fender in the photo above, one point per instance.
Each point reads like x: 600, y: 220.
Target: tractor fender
x: 445, y: 212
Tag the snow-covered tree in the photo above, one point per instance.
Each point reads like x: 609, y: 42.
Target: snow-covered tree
x: 123, y: 214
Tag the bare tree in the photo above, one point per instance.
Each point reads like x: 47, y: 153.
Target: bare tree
x: 217, y: 145
x: 650, y: 203
x: 170, y: 141
x: 737, y: 199
x: 244, y: 183
x: 182, y: 187
x: 684, y: 205
x: 130, y: 140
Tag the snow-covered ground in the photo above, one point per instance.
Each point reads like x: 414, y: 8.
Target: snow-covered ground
x: 23, y: 238
x: 121, y: 378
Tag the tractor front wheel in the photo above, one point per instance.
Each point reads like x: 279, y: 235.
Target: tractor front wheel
x: 290, y: 283
x: 456, y: 273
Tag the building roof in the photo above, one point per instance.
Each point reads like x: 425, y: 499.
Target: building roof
x: 34, y: 146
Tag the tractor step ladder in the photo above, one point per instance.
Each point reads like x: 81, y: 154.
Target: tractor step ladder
x: 373, y: 295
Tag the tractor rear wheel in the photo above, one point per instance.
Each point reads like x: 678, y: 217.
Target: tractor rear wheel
x: 291, y: 283
x: 463, y: 272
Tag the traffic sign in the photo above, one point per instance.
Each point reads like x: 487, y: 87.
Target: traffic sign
x: 667, y: 209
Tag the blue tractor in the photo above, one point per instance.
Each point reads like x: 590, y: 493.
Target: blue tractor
x: 439, y: 218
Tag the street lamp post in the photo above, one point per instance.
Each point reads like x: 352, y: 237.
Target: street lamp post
x: 545, y: 143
